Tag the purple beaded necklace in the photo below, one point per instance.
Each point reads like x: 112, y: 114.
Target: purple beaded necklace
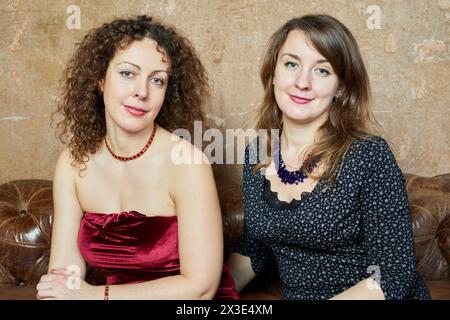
x: 289, y: 177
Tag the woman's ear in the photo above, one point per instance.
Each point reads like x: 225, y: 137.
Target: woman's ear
x: 337, y: 95
x: 101, y: 85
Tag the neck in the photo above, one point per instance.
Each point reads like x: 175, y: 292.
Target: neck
x: 295, y: 138
x: 125, y: 143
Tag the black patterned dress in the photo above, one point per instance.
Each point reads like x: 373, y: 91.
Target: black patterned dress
x: 335, y: 237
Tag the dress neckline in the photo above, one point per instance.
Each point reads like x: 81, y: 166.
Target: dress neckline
x: 132, y: 212
x: 272, y: 196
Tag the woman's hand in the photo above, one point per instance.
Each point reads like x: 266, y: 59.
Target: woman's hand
x: 63, y: 284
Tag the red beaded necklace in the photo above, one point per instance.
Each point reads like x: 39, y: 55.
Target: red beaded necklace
x: 137, y: 155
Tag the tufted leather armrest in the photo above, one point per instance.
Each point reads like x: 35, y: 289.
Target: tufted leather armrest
x: 26, y: 212
x: 429, y: 200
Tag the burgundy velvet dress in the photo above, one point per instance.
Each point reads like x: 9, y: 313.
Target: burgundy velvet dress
x: 130, y: 247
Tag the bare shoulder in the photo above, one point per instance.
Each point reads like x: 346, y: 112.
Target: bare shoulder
x: 64, y: 188
x: 182, y: 153
x: 187, y: 167
x: 64, y: 156
x: 64, y: 164
x: 64, y: 159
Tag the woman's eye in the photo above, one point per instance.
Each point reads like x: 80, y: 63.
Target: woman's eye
x: 127, y: 74
x: 323, y: 72
x: 291, y: 65
x: 158, y: 81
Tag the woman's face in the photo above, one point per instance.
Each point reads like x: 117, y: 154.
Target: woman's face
x: 135, y: 86
x: 304, y: 81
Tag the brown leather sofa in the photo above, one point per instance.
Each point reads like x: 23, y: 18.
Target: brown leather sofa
x: 26, y: 212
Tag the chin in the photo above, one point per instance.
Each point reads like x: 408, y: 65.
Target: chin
x: 297, y: 116
x: 133, y: 127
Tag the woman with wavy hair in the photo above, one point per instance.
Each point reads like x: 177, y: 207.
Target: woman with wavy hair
x: 122, y: 204
x: 328, y: 205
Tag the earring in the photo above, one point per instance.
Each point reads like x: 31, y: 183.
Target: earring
x: 337, y: 96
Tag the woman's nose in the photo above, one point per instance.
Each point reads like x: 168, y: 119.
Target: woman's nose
x: 140, y: 90
x: 303, y: 81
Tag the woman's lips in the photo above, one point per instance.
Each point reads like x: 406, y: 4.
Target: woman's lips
x: 300, y: 100
x: 135, y: 110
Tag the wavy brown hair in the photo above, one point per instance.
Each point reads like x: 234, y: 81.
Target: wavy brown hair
x: 350, y: 114
x: 81, y: 104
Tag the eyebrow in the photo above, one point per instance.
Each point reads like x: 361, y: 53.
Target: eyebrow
x: 135, y: 65
x: 298, y: 58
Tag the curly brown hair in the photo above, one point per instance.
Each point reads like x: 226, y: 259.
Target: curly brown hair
x: 81, y: 103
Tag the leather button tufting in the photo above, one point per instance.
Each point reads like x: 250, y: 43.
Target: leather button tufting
x: 20, y: 282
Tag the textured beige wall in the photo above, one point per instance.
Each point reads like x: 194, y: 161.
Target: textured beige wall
x: 404, y: 43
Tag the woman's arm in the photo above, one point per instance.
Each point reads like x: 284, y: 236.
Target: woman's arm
x: 250, y: 255
x: 387, y: 229
x: 66, y: 219
x: 241, y: 270
x: 64, y: 253
x: 367, y: 289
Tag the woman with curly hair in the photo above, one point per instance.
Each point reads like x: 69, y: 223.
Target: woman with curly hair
x: 328, y: 205
x: 121, y: 203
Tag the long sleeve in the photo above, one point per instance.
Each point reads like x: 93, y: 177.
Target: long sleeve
x: 260, y: 254
x: 388, y: 234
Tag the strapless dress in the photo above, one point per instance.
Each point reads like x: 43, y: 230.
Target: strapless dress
x: 130, y: 247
